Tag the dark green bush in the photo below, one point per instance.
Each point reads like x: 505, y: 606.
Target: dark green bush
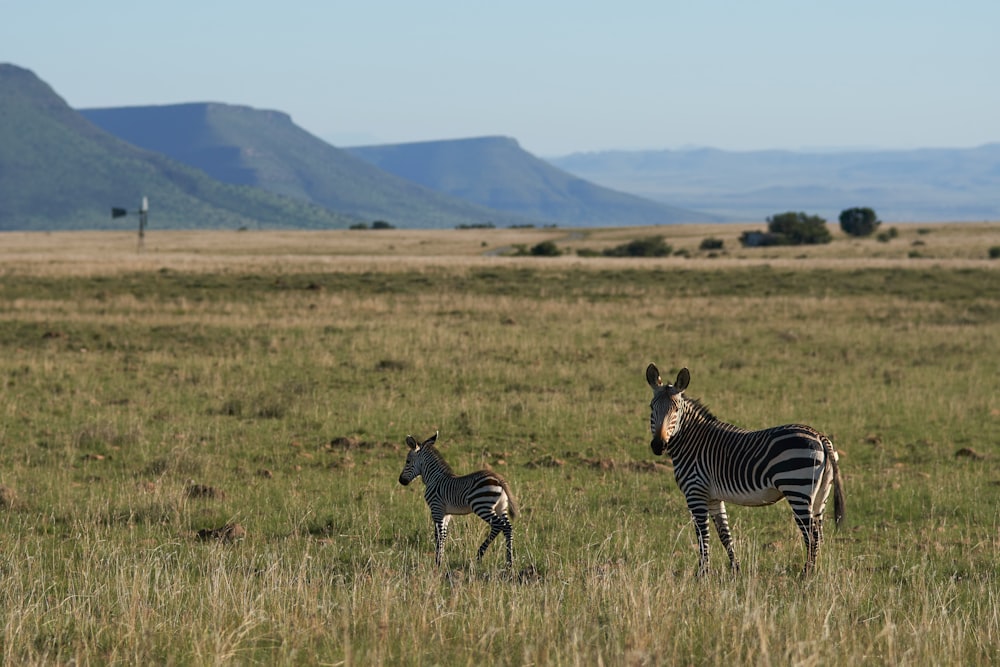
x: 859, y: 221
x: 650, y: 246
x: 798, y: 229
x: 545, y: 249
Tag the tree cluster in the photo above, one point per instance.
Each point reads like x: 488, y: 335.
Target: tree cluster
x: 789, y: 229
x: 793, y: 228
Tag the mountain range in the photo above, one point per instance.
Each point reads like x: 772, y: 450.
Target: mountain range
x: 214, y: 165
x: 940, y: 184
x: 221, y: 165
x: 266, y: 150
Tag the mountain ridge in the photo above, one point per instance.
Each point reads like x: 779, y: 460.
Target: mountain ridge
x: 495, y: 171
x: 264, y: 148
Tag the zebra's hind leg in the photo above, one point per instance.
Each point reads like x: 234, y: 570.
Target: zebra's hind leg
x: 812, y: 535
x: 814, y: 538
x: 499, y: 524
x: 717, y: 509
x: 494, y: 531
x: 508, y: 533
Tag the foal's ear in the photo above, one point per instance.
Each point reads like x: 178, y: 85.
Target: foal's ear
x: 411, y: 442
x: 431, y: 440
x: 653, y: 376
x: 682, y: 381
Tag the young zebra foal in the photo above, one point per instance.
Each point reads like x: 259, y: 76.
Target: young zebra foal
x: 715, y: 462
x: 484, y: 492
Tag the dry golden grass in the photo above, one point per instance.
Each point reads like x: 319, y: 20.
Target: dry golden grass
x: 96, y: 253
x: 212, y: 357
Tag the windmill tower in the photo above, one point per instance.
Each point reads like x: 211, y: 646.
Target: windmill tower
x: 143, y: 219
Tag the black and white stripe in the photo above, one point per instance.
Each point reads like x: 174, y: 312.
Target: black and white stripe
x: 484, y: 493
x: 715, y: 463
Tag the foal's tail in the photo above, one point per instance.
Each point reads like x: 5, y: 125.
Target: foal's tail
x: 511, y: 505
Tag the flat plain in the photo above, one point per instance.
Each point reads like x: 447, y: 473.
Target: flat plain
x: 200, y: 444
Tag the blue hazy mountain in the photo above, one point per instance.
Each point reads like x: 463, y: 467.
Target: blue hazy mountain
x: 496, y: 172
x: 938, y: 184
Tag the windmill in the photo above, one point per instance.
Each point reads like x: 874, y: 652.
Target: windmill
x: 143, y: 218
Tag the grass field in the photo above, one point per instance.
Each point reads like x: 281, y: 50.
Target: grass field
x: 200, y: 447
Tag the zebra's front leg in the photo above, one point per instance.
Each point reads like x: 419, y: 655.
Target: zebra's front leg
x: 717, y: 509
x: 699, y: 513
x: 440, y: 534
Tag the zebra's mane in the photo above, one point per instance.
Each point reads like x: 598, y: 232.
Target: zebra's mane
x: 700, y: 412
x: 436, y: 455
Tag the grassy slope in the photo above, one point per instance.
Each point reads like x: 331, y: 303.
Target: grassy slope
x: 289, y: 382
x: 61, y: 172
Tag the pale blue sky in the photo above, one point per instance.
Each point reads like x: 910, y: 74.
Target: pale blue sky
x: 559, y: 77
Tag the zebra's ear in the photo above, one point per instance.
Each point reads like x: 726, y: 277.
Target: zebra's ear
x: 653, y: 376
x: 682, y: 381
x: 411, y: 442
x: 431, y: 440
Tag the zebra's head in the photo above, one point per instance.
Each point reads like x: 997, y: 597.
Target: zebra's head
x: 413, y: 469
x: 666, y: 407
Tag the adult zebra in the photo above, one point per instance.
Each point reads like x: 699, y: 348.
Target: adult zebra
x: 483, y: 492
x: 715, y: 462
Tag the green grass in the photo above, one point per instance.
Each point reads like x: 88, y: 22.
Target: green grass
x: 291, y: 393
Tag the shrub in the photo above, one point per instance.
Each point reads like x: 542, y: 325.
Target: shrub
x: 711, y: 243
x: 859, y: 221
x: 995, y: 252
x: 382, y: 224
x: 888, y: 235
x: 651, y: 246
x: 545, y: 249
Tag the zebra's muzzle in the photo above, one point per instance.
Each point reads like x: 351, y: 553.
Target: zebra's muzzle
x: 657, y: 446
x: 403, y: 480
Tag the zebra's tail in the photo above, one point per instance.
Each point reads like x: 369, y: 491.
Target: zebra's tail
x: 511, y: 505
x: 838, y: 487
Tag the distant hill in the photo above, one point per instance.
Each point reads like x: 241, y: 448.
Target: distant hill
x: 496, y: 172
x: 265, y: 149
x: 59, y: 171
x: 903, y: 185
